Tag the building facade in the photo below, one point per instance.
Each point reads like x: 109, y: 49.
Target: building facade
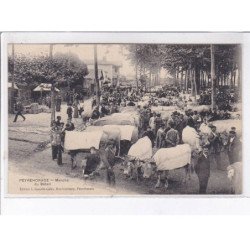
x: 108, y: 73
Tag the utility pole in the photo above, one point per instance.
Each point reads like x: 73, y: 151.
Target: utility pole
x: 96, y: 77
x: 53, y: 112
x: 213, y: 83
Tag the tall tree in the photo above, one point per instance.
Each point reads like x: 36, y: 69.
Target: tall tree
x: 63, y: 69
x: 213, y: 80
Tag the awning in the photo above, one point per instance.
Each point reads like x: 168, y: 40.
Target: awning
x: 45, y: 87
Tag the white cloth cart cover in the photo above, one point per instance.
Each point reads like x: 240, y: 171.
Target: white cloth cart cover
x: 75, y: 140
x: 142, y: 149
x: 172, y: 158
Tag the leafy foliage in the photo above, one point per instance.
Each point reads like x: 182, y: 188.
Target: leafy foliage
x: 63, y: 69
x: 182, y: 57
x: 193, y: 59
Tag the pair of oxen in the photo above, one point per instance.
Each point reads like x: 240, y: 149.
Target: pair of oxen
x: 186, y: 156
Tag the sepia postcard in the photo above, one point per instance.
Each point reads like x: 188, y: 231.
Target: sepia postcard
x: 123, y: 117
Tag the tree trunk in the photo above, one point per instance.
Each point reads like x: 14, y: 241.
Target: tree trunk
x: 234, y: 78
x: 197, y: 78
x: 186, y: 80
x: 96, y: 77
x: 205, y: 79
x: 191, y: 82
x: 213, y: 84
x: 239, y: 72
x: 177, y: 77
x: 201, y: 80
x: 231, y: 79
x: 150, y: 78
x: 159, y: 76
x: 182, y: 85
x: 12, y: 91
x: 136, y: 75
x: 174, y: 74
x: 53, y: 111
x: 209, y: 82
x: 239, y: 83
x: 195, y: 84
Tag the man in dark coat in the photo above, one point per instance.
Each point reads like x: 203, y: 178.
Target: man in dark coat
x: 234, y: 146
x: 130, y: 103
x: 53, y: 140
x: 95, y: 114
x: 19, y: 108
x: 68, y: 127
x: 58, y: 103
x: 107, y: 157
x: 158, y: 122
x: 58, y: 121
x: 144, y: 118
x: 202, y: 170
x: 69, y: 112
x: 172, y: 138
x: 93, y: 160
x: 150, y: 134
x: 56, y: 143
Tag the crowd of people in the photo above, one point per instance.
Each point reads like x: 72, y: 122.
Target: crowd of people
x: 224, y: 98
x: 163, y: 132
x: 224, y: 148
x: 166, y: 133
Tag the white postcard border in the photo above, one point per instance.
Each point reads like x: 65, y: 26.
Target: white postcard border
x: 173, y: 204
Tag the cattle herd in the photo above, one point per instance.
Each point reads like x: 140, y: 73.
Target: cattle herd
x: 148, y: 139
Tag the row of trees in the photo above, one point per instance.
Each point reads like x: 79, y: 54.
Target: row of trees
x: 189, y: 65
x: 61, y: 69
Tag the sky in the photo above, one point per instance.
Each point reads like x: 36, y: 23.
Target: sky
x: 112, y: 52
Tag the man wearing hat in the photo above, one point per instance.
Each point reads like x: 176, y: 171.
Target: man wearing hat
x: 19, y: 108
x: 144, y: 118
x: 171, y: 119
x: 131, y: 103
x: 69, y: 111
x: 158, y: 122
x: 152, y: 121
x: 95, y: 114
x: 58, y: 121
x: 205, y: 126
x: 214, y: 140
x: 56, y: 143
x: 172, y: 136
x: 150, y: 134
x: 92, y: 161
x: 234, y: 146
x: 202, y: 169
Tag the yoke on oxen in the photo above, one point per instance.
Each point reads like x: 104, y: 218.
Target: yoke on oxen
x: 141, y: 161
